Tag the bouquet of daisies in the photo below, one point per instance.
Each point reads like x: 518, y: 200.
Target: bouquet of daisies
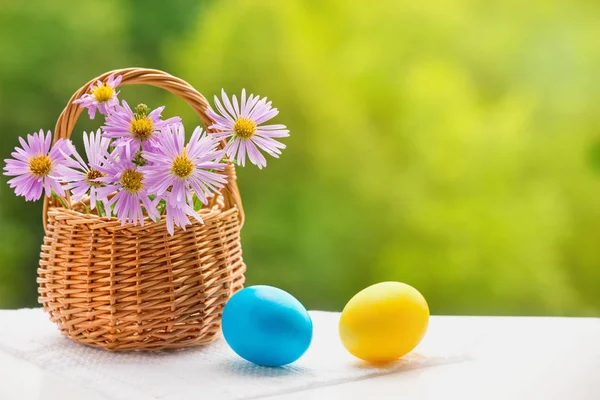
x: 139, y: 164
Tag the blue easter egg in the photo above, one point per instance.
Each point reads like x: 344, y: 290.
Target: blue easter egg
x: 267, y: 326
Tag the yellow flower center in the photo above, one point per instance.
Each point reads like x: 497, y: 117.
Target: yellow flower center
x: 40, y: 165
x: 103, y: 93
x: 91, y: 177
x: 244, y: 127
x: 142, y: 128
x: 131, y: 180
x: 182, y: 166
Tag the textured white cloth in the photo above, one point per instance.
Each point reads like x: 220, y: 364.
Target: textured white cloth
x: 209, y: 372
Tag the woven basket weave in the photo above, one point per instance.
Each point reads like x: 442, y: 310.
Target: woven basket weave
x: 137, y: 288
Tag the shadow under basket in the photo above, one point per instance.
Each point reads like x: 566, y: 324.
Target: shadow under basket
x: 136, y: 287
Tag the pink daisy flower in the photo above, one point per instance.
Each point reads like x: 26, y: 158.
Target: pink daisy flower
x: 35, y: 166
x: 178, y: 216
x: 180, y: 169
x: 124, y: 177
x: 136, y: 130
x: 241, y: 124
x: 102, y: 96
x: 82, y: 177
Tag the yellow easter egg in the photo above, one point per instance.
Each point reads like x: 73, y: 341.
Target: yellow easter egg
x: 384, y: 322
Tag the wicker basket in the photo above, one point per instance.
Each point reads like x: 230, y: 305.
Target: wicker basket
x: 133, y: 287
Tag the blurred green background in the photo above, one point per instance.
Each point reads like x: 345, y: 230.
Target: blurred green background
x: 452, y: 145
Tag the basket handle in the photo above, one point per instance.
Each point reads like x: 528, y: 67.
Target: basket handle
x: 131, y: 76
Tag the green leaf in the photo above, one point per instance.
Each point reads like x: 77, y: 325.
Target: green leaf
x: 197, y: 203
x: 161, y: 206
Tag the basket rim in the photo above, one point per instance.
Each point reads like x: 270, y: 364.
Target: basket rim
x: 64, y: 216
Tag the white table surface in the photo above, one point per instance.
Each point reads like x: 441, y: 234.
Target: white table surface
x: 508, y: 358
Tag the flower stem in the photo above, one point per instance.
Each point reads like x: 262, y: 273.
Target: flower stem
x: 100, y: 208
x: 61, y: 199
x: 87, y: 209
